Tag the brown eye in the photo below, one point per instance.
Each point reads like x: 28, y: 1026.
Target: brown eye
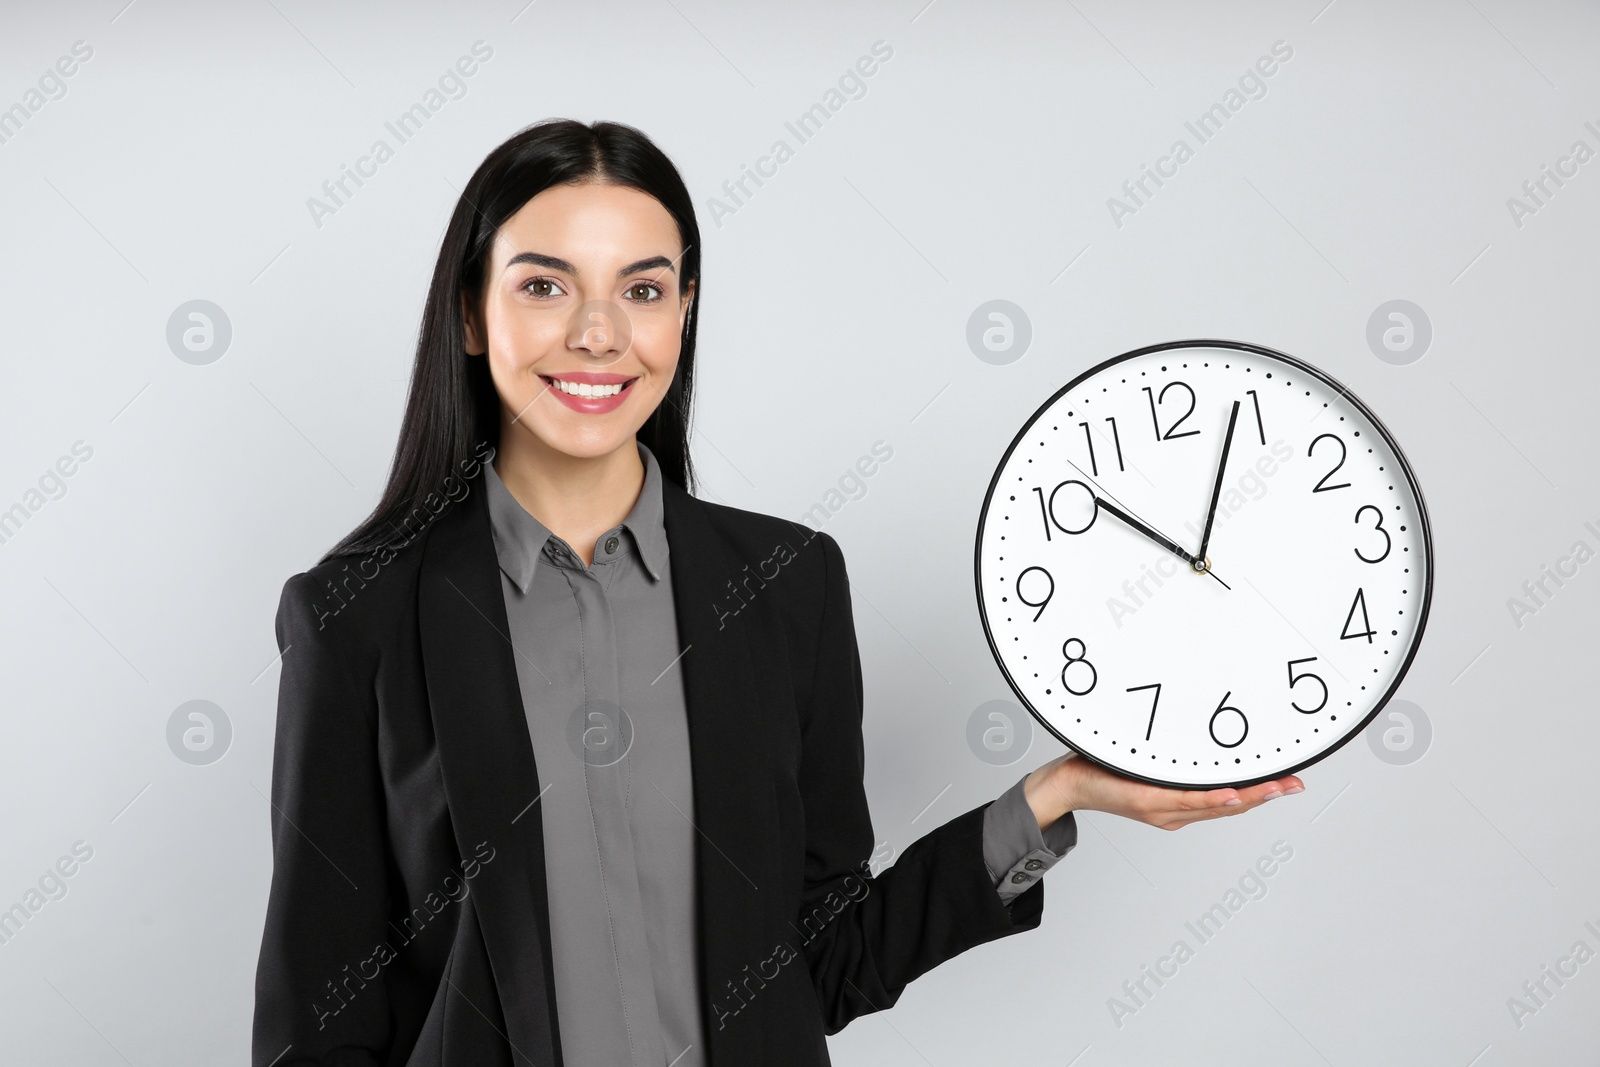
x: 542, y: 288
x: 645, y: 292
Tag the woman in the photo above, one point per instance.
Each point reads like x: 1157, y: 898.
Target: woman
x: 569, y: 762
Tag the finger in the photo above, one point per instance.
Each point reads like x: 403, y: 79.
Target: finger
x: 1156, y: 805
x: 1271, y: 790
x: 1220, y: 798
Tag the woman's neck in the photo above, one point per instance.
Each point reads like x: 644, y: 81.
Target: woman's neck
x: 576, y: 498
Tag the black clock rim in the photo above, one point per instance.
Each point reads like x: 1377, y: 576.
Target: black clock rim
x: 1338, y: 387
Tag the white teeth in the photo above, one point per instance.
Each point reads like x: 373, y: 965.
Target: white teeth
x: 585, y: 389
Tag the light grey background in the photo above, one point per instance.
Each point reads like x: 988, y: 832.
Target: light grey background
x: 976, y: 166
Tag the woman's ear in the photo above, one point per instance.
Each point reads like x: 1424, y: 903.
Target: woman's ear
x: 470, y: 328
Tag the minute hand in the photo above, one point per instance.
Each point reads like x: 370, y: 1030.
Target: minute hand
x: 1216, y: 490
x: 1155, y: 535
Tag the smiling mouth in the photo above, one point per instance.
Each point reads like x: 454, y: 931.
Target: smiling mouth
x: 586, y: 389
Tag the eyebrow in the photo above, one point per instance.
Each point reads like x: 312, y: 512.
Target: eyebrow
x: 557, y: 263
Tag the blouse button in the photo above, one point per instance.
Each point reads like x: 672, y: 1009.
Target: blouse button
x: 611, y: 545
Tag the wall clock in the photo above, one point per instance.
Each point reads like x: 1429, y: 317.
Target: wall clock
x: 1203, y: 564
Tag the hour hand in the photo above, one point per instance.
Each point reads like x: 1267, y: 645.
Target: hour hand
x: 1155, y: 535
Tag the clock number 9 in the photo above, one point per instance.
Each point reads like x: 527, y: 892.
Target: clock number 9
x: 1295, y: 679
x: 1244, y: 724
x: 1036, y: 603
x: 1081, y: 656
x: 1047, y: 511
x: 1387, y: 544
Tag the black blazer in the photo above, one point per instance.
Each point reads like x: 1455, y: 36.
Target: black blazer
x: 407, y: 921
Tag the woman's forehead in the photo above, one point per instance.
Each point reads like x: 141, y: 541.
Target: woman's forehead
x: 593, y: 223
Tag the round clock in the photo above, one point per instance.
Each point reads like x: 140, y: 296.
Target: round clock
x: 1204, y: 564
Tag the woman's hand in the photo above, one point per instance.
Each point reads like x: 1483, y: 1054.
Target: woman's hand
x: 1071, y: 783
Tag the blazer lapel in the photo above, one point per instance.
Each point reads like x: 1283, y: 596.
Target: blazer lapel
x: 730, y: 750
x: 487, y: 762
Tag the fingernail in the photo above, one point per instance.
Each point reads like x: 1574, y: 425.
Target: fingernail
x: 1272, y: 795
x: 1295, y: 789
x: 1230, y: 803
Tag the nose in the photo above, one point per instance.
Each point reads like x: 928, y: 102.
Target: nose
x: 600, y: 329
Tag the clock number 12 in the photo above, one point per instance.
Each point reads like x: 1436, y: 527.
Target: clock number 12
x: 1161, y: 398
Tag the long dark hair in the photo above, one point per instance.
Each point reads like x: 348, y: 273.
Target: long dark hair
x: 452, y: 412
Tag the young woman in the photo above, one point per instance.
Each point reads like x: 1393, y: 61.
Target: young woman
x: 569, y: 762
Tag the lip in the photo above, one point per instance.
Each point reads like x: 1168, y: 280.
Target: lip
x: 590, y: 405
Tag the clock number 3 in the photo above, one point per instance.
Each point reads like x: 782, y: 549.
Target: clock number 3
x: 1387, y: 544
x: 1075, y: 658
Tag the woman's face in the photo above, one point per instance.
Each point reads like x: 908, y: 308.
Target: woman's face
x: 582, y: 316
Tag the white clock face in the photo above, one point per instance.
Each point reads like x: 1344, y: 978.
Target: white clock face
x: 1098, y: 600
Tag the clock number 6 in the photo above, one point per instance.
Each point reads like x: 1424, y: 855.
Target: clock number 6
x: 1081, y: 656
x: 1387, y: 544
x: 1295, y: 679
x: 1244, y: 724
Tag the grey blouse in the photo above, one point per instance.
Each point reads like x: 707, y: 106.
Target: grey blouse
x: 596, y: 651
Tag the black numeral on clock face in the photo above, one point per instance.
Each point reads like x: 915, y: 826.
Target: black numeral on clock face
x: 1387, y: 544
x: 1358, y: 604
x: 1078, y: 658
x: 1094, y: 466
x: 1243, y: 723
x: 1117, y: 441
x: 1296, y: 679
x: 1047, y: 508
x: 1322, y: 486
x: 1260, y: 429
x: 1154, y: 700
x: 1154, y: 398
x: 1048, y: 594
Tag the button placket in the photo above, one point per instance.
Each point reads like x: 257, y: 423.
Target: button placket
x: 609, y: 787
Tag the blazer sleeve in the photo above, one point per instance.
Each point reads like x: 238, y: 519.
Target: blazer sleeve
x: 936, y: 901
x: 328, y: 903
